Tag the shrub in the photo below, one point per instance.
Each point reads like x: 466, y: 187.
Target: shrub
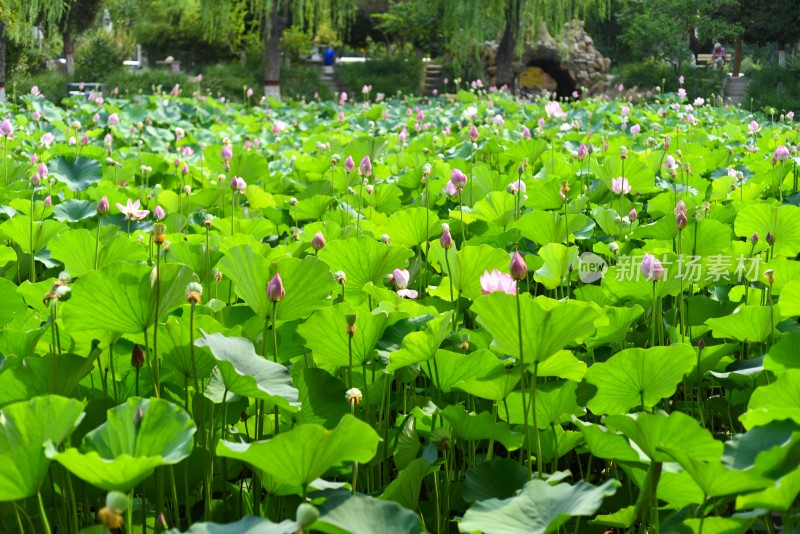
x: 773, y: 86
x: 698, y: 82
x: 385, y: 76
x: 98, y: 53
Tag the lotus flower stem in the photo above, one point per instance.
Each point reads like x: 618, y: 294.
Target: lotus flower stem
x: 455, y: 302
x: 43, y: 513
x: 174, y: 495
x: 157, y: 377
x: 523, y: 386
x: 461, y: 213
x: 97, y: 244
x: 233, y: 210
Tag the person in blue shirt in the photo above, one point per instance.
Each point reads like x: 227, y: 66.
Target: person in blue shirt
x: 329, y: 56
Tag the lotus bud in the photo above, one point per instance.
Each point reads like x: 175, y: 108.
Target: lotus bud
x: 351, y: 323
x: 386, y: 239
x: 36, y: 180
x: 159, y: 232
x: 159, y: 213
x: 48, y: 201
x: 353, y: 397
x: 632, y: 215
x: 306, y: 515
x: 318, y: 241
x: 447, y: 238
x: 769, y: 276
x: 208, y: 220
x: 275, y: 290
x: 614, y: 248
x: 623, y: 152
x: 473, y: 134
x: 701, y: 344
x: 103, y: 205
x: 194, y: 293
x: 365, y: 167
x: 770, y: 239
x: 519, y: 269
x: 754, y: 239
x: 217, y: 276
x: 340, y: 277
x: 680, y: 220
x: 137, y: 356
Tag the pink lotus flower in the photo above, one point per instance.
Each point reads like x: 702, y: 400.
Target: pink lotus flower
x: 526, y: 133
x: 635, y: 129
x: 682, y: 92
x: 583, y: 151
x: 632, y: 215
x: 349, y: 164
x: 403, y: 135
x: 651, y: 268
x: 620, y: 186
x: 497, y: 282
x: 6, y: 128
x: 680, y: 207
x: 516, y: 186
x: 131, y: 211
x: 625, y: 111
x: 498, y: 121
x: 473, y: 134
x: 753, y: 127
x: 401, y: 279
x: 113, y: 120
x: 781, y: 153
x: 47, y: 139
x: 159, y: 213
x: 553, y: 109
x: 43, y: 170
x: 680, y: 79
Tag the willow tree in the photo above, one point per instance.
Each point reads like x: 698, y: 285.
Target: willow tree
x: 468, y: 23
x: 271, y: 18
x: 17, y: 18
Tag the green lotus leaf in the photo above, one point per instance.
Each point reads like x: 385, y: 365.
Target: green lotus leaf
x: 779, y: 497
x: 76, y: 249
x: 25, y: 428
x: 776, y: 401
x: 18, y: 229
x: 651, y: 432
x: 360, y: 514
x: 783, y: 222
x: 247, y: 374
x: 558, y: 264
x: 547, y: 325
x: 326, y: 335
x: 467, y: 266
x: 499, y: 478
x: 404, y: 490
x: 538, y: 508
x: 74, y: 210
x: 138, y: 436
x: 747, y: 323
x: 77, y: 173
x: 451, y: 368
x: 363, y: 260
x: 121, y: 297
x: 421, y: 346
x: 13, y: 304
x: 638, y: 377
x: 305, y: 453
x: 480, y: 426
x: 412, y: 227
x: 543, y: 227
x: 246, y: 525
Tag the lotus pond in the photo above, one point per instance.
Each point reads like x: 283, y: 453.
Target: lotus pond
x: 463, y: 314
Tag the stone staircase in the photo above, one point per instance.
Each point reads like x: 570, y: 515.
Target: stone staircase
x: 432, y: 79
x: 327, y: 78
x: 736, y: 90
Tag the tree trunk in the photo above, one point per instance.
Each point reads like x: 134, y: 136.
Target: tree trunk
x: 68, y: 51
x: 273, y: 30
x: 2, y: 61
x: 737, y: 63
x: 781, y: 54
x: 505, y: 51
